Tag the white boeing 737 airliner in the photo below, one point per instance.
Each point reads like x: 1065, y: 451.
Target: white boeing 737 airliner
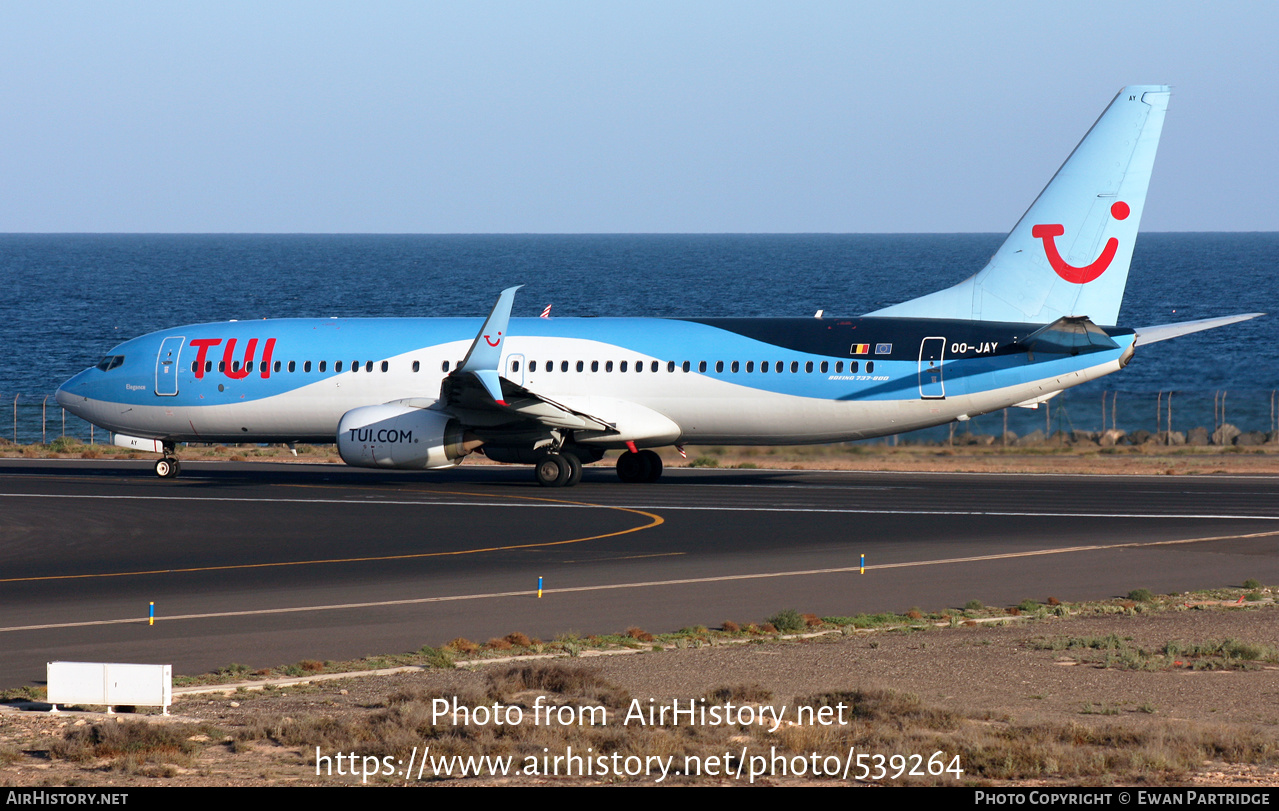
x: 423, y: 393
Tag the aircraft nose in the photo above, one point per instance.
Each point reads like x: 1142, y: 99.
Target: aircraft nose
x: 65, y: 395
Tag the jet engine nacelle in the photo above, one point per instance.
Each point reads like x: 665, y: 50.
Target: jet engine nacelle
x: 400, y: 436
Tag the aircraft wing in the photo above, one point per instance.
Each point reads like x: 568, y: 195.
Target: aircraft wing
x: 1151, y: 335
x: 468, y: 397
x: 481, y: 398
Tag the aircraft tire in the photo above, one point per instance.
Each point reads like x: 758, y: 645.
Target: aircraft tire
x: 166, y: 468
x: 654, y: 463
x: 575, y: 468
x: 552, y: 470
x: 634, y: 467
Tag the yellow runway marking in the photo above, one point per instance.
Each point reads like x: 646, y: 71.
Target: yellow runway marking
x: 647, y: 584
x: 654, y: 521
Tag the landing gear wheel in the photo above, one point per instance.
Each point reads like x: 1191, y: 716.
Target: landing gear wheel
x: 575, y: 468
x: 635, y: 467
x: 654, y: 465
x: 167, y: 468
x: 553, y: 470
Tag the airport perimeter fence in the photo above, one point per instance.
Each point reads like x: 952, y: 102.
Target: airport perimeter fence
x: 1172, y: 417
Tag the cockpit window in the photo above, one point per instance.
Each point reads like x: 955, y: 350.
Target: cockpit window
x: 110, y: 362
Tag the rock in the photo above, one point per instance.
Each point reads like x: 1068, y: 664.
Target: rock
x: 1035, y: 437
x: 1112, y: 437
x: 1225, y: 435
x: 1197, y: 436
x: 1084, y: 437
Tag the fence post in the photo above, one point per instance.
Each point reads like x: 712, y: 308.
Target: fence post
x: 1169, y: 442
x: 15, y: 418
x: 44, y: 410
x: 64, y: 422
x: 1103, y: 412
x: 1159, y: 409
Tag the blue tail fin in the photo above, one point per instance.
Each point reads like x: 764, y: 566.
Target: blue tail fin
x: 1069, y: 253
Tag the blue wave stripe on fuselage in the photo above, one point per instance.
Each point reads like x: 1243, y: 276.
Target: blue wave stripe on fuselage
x: 364, y: 340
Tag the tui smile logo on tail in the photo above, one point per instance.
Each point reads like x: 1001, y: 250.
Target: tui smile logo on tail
x: 1069, y: 272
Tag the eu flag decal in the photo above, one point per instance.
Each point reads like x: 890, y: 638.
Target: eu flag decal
x: 883, y: 349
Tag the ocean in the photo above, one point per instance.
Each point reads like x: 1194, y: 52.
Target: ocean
x: 69, y: 298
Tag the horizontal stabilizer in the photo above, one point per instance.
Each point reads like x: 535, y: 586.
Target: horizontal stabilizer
x: 1152, y: 335
x: 1069, y: 335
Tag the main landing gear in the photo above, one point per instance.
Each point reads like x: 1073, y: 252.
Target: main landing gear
x: 639, y: 466
x: 168, y: 467
x: 564, y: 469
x: 561, y: 469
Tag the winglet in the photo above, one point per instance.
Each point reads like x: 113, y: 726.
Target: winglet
x: 484, y: 357
x: 486, y: 351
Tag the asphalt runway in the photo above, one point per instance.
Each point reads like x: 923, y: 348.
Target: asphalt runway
x: 265, y: 564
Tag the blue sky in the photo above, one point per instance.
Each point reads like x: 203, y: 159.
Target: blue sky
x: 562, y: 117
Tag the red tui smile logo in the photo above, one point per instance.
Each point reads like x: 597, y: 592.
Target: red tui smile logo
x: 1069, y: 272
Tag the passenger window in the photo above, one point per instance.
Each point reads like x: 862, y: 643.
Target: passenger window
x: 685, y: 366
x: 794, y: 366
x: 670, y: 366
x: 515, y: 366
x: 581, y: 366
x: 719, y: 367
x: 778, y: 368
x: 306, y: 367
x: 825, y: 367
x: 701, y: 366
x: 324, y: 364
x: 417, y: 366
x: 444, y: 367
x: 870, y: 367
x: 808, y: 367
x: 355, y: 366
x: 337, y: 367
x: 621, y: 367
x: 839, y: 367
x: 595, y: 366
x: 532, y: 366
x: 639, y: 365
x: 386, y: 365
x: 750, y: 366
x: 293, y: 366
x: 854, y: 365
x: 208, y: 366
x: 563, y: 366
x: 193, y: 365
x: 608, y: 365
x: 763, y: 366
x: 368, y: 367
x: 734, y: 367
x: 277, y: 366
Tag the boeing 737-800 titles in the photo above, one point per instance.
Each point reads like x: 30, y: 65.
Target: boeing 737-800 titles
x: 423, y: 393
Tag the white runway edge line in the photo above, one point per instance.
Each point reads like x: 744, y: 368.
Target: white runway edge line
x: 645, y: 584
x: 701, y: 508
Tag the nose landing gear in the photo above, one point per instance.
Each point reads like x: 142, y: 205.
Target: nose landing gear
x: 168, y: 467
